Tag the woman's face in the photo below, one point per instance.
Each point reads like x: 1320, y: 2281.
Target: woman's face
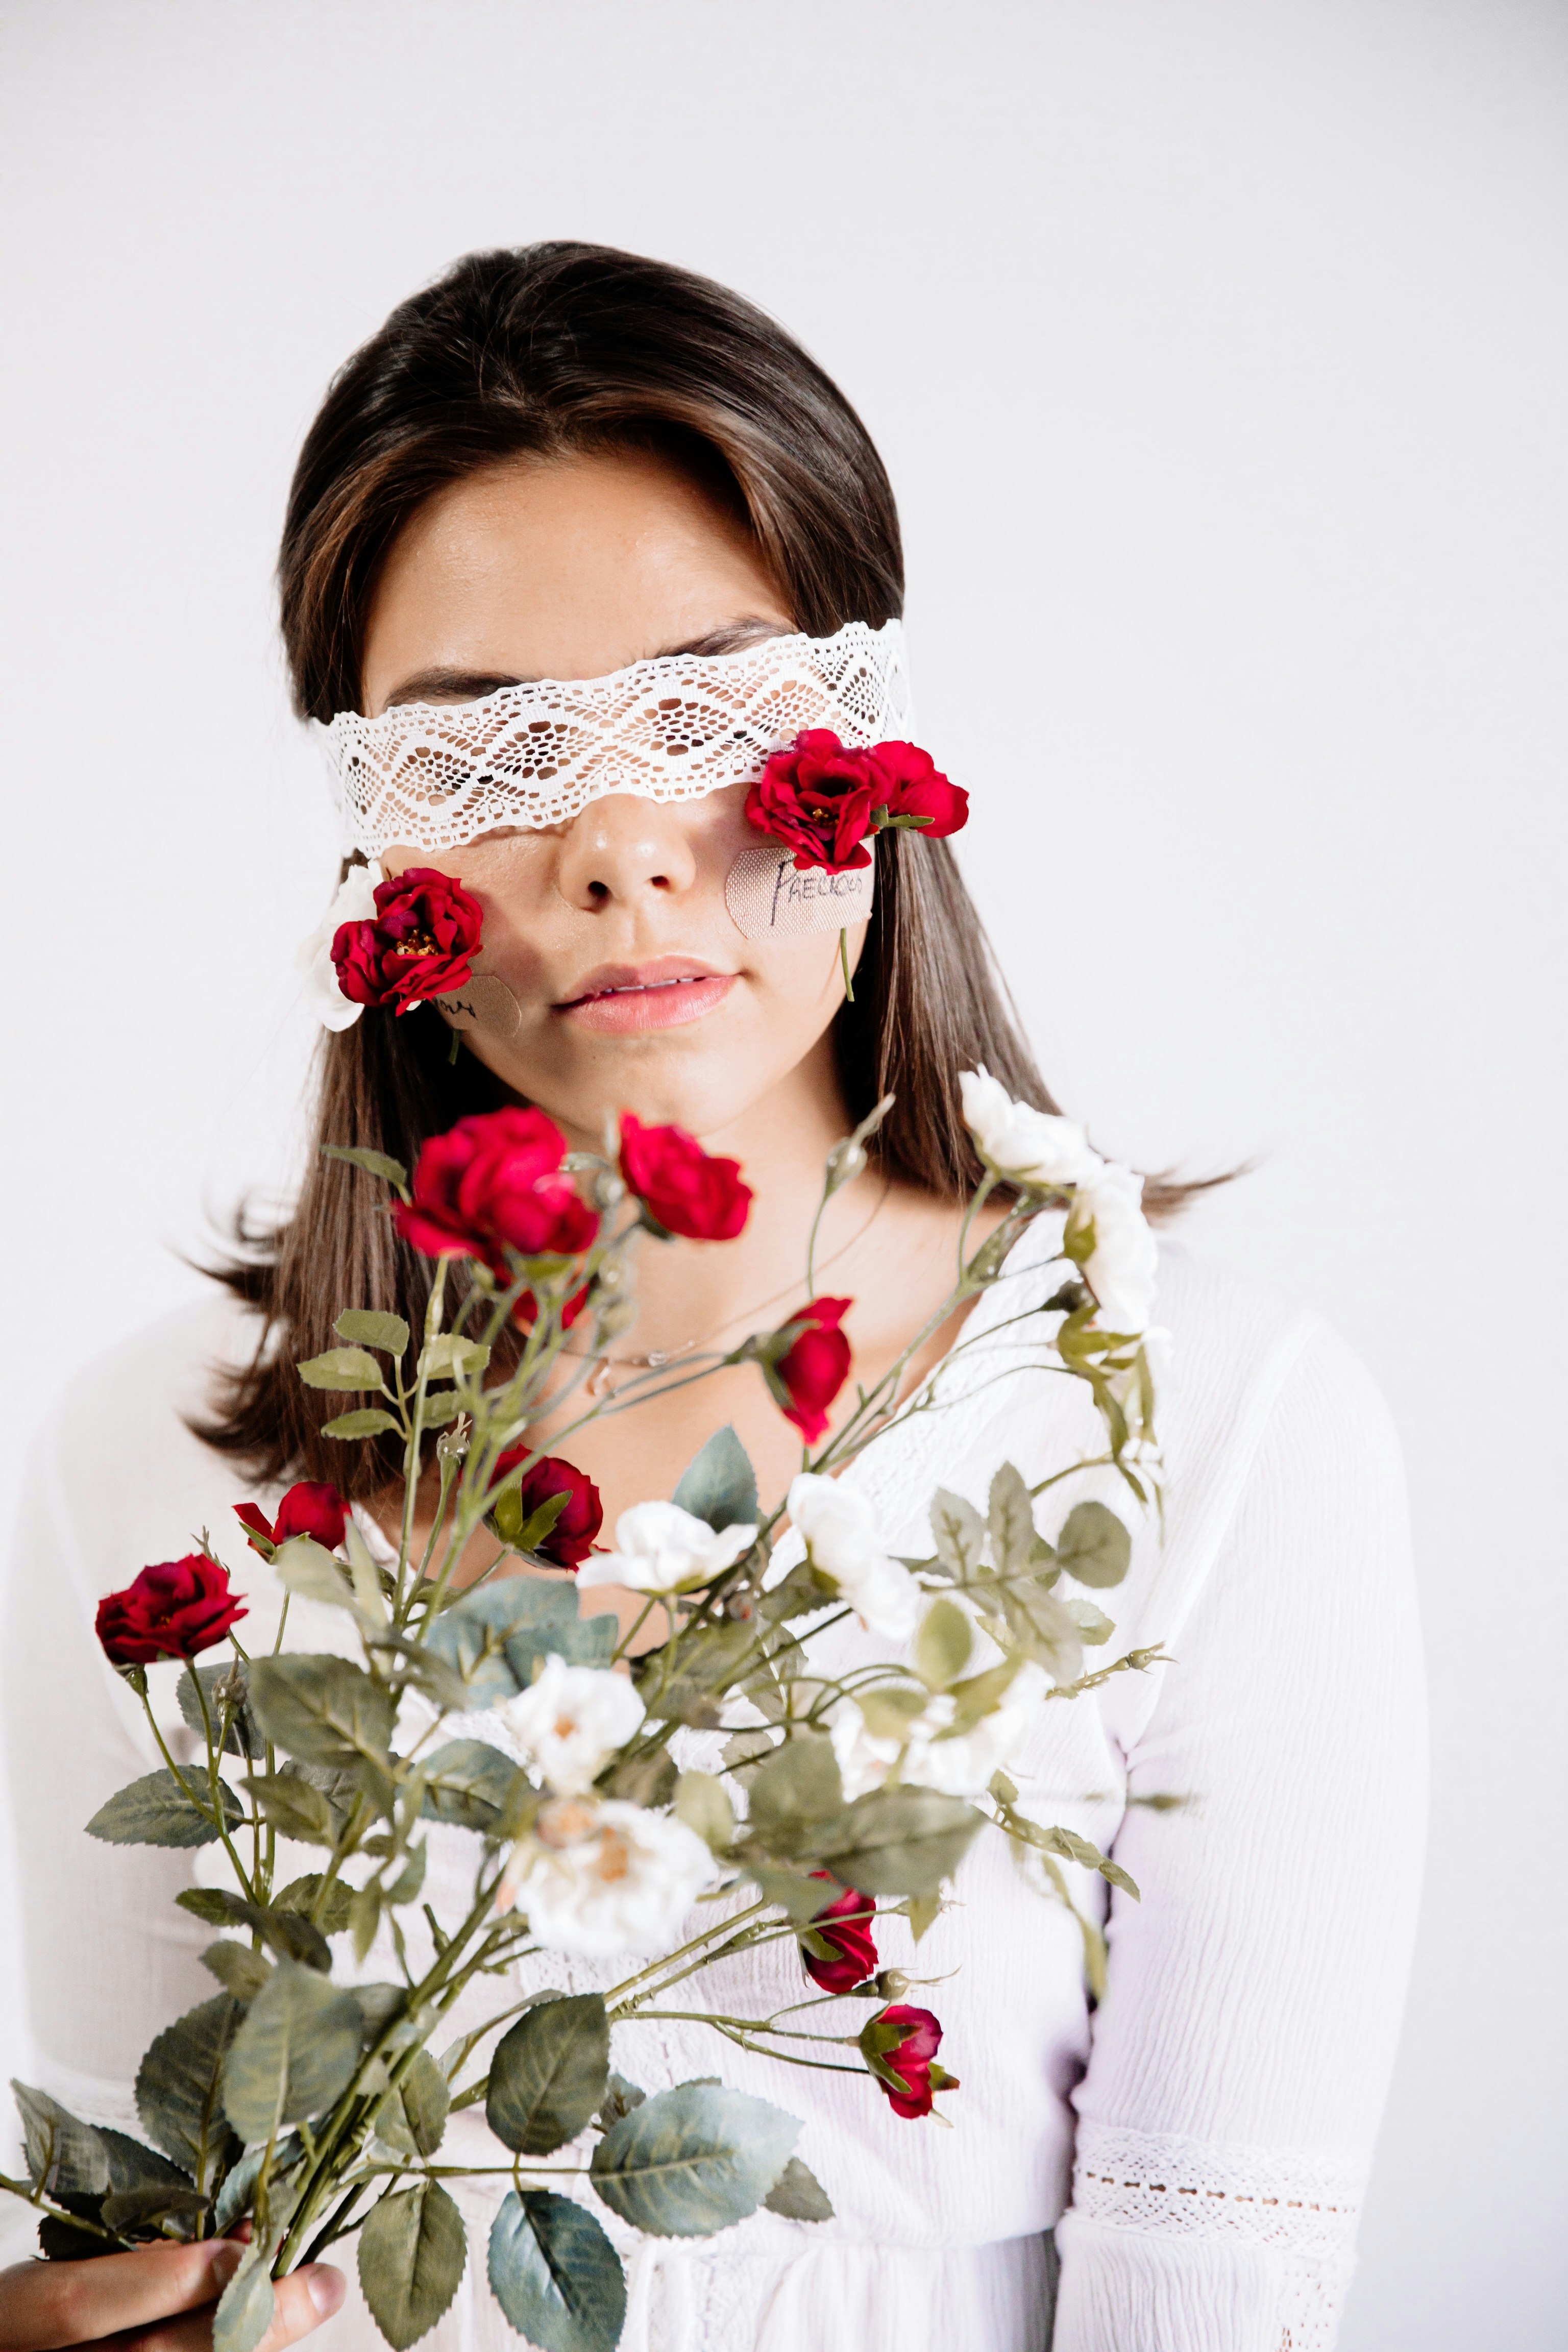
x: 635, y: 989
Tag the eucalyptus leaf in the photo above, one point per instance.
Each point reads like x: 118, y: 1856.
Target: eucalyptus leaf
x: 343, y: 1371
x: 368, y: 1329
x: 897, y: 1841
x: 466, y: 1781
x: 368, y: 1421
x: 323, y: 1709
x: 549, y: 2074
x: 798, y: 2195
x: 555, y: 2274
x: 1093, y: 1547
x: 155, y: 1810
x: 692, y: 2160
x: 374, y: 1164
x: 64, y: 2156
x: 412, y: 2251
x: 296, y: 2051
x: 178, y: 2087
x: 1094, y: 1626
x: 243, y: 1739
x: 245, y: 2308
x: 720, y: 1485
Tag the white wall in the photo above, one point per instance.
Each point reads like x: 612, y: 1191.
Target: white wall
x: 1218, y: 349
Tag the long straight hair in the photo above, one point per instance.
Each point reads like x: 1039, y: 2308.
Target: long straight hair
x: 552, y: 350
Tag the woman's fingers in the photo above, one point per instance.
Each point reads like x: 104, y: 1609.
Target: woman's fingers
x: 46, y: 2306
x: 303, y: 2300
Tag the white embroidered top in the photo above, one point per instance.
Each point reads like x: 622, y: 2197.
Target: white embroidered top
x: 1200, y: 2141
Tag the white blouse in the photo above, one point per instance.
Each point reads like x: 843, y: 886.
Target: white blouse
x: 1199, y: 2142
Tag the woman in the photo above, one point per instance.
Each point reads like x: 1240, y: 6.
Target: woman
x: 556, y: 463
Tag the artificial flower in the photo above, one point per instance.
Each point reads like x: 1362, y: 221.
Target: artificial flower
x: 604, y: 1877
x: 915, y: 792
x: 845, y: 1925
x: 817, y: 798
x: 661, y: 1549
x: 525, y: 1314
x: 958, y: 1764
x: 174, y: 1609
x: 312, y: 1508
x: 902, y: 2043
x: 839, y: 1528
x: 806, y: 1375
x: 420, y: 941
x: 689, y: 1190
x: 353, y: 902
x: 1034, y: 1147
x: 570, y: 1721
x: 571, y: 1540
x: 1109, y: 1237
x: 495, y: 1182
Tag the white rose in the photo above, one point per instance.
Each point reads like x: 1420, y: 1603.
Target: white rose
x: 354, y: 902
x: 1125, y: 1260
x: 963, y: 1766
x: 660, y: 1548
x: 1035, y: 1146
x: 864, y: 1757
x: 839, y: 1531
x: 605, y: 1878
x: 570, y: 1721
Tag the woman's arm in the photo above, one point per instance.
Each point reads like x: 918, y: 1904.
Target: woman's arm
x: 165, y: 2292
x: 1242, y: 2054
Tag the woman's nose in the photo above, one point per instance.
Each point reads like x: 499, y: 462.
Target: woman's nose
x: 622, y: 848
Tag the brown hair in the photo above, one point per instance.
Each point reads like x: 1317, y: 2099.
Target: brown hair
x: 552, y: 349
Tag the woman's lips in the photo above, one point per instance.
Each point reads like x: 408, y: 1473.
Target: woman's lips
x: 620, y: 999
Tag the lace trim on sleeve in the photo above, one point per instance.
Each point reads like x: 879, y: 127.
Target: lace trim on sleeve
x: 1303, y: 2206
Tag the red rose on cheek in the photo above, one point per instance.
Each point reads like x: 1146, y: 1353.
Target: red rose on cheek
x: 689, y: 1190
x: 846, y: 1926
x: 495, y: 1182
x: 818, y: 798
x: 809, y: 1374
x: 173, y: 1611
x: 899, y: 2045
x: 420, y: 942
x: 912, y: 786
x: 312, y: 1508
x: 571, y: 1540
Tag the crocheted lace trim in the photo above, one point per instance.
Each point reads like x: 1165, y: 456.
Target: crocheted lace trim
x: 433, y: 776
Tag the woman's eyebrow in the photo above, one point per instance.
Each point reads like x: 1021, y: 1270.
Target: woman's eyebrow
x: 439, y: 685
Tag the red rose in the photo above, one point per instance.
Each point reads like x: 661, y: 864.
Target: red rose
x: 312, y: 1508
x: 812, y: 1369
x: 689, y: 1190
x: 899, y: 2045
x: 525, y: 1314
x: 495, y: 1182
x: 845, y: 1925
x: 819, y: 798
x: 913, y: 788
x: 419, y: 943
x: 173, y: 1611
x: 571, y: 1540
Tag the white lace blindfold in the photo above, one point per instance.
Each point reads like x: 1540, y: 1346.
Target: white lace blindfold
x: 432, y: 776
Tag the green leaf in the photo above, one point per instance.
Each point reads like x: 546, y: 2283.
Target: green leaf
x: 555, y: 2274
x: 152, y: 2202
x: 692, y: 2160
x: 294, y: 1806
x: 707, y: 1663
x: 494, y: 1636
x: 897, y: 1841
x: 368, y: 1329
x: 526, y: 1534
x: 798, y: 2195
x: 245, y: 2308
x: 296, y: 2051
x: 1011, y: 1521
x: 467, y: 1782
x: 702, y: 1802
x: 309, y: 1571
x: 549, y: 2074
x: 368, y: 1422
x: 647, y: 1780
x: 793, y: 1789
x: 413, y: 2115
x: 131, y: 2166
x: 959, y: 1533
x: 720, y: 1485
x: 241, y: 1971
x: 1043, y: 1628
x: 244, y: 1738
x: 300, y: 1897
x: 450, y: 1355
x: 1094, y: 1626
x: 237, y: 2197
x: 323, y: 1709
x: 374, y: 1164
x: 344, y: 1370
x: 1094, y: 1547
x: 65, y: 2157
x: 155, y: 1810
x: 216, y: 1905
x: 943, y: 1644
x: 412, y: 2251
x: 178, y: 2094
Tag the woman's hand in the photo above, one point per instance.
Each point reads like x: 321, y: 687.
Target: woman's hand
x: 157, y: 2299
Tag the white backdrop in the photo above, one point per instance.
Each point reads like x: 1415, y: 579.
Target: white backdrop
x: 1218, y: 349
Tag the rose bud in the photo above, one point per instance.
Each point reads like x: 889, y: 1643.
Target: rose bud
x: 312, y: 1508
x: 174, y: 1609
x: 688, y: 1189
x: 495, y: 1182
x: 845, y: 1927
x: 818, y: 798
x: 899, y: 2046
x: 571, y: 1540
x: 419, y: 942
x: 915, y: 792
x: 525, y: 1314
x: 806, y: 1373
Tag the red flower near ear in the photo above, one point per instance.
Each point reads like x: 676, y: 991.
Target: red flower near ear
x: 917, y: 794
x: 899, y: 2045
x: 174, y: 1609
x: 312, y: 1508
x: 810, y: 1373
x: 689, y: 1190
x: 846, y: 1926
x: 419, y: 943
x: 571, y: 1540
x: 823, y: 799
x: 492, y: 1183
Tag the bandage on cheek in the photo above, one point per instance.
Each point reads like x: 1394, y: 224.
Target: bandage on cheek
x: 768, y: 898
x: 484, y: 1003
